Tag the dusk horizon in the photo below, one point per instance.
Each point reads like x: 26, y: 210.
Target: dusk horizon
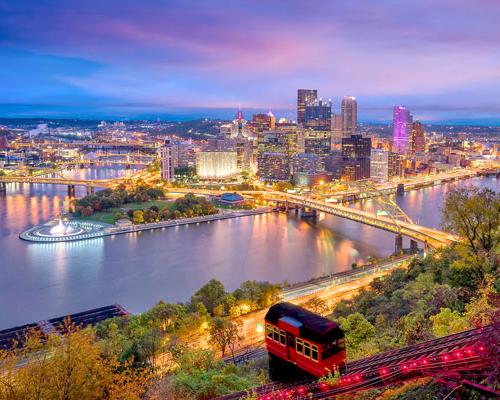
x: 122, y: 60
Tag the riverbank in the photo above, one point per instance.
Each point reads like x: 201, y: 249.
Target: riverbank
x: 32, y: 236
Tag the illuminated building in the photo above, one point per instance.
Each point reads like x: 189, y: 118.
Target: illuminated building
x: 402, y: 125
x: 356, y: 152
x: 167, y: 165
x: 263, y: 122
x: 395, y: 165
x: 274, y: 167
x: 337, y: 130
x: 417, y: 138
x: 278, y: 141
x: 306, y: 162
x: 183, y: 154
x: 334, y: 164
x: 304, y: 97
x: 356, y: 146
x: 216, y: 165
x: 379, y: 165
x: 317, y: 142
x: 318, y: 116
x: 349, y: 109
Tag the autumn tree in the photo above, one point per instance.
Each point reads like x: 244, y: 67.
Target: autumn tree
x: 67, y: 367
x: 224, y: 334
x: 138, y: 217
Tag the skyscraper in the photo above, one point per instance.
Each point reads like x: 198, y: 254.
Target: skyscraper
x: 349, y: 116
x: 417, y: 138
x: 304, y: 97
x: 318, y: 116
x: 402, y: 129
x: 356, y: 152
x: 167, y: 164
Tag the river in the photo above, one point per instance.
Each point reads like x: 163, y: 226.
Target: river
x: 41, y: 281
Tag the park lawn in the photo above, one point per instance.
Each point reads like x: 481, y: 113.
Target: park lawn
x: 108, y: 216
x: 161, y: 204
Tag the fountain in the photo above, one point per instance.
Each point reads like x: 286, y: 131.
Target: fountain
x: 61, y: 229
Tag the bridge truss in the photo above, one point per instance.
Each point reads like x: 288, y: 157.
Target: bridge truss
x: 383, y: 200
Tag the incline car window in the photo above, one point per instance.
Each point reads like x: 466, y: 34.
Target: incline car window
x: 269, y: 331
x: 282, y: 337
x: 299, y: 345
x: 333, y: 348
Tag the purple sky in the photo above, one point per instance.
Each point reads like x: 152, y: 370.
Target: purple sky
x: 439, y: 57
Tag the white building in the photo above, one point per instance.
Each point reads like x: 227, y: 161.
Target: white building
x: 167, y: 164
x: 379, y: 165
x: 216, y: 165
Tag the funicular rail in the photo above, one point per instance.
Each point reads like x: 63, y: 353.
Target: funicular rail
x: 468, y: 351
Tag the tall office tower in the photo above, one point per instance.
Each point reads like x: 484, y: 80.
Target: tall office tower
x: 271, y: 146
x: 167, y: 164
x: 317, y: 142
x: 379, y: 165
x: 337, y: 130
x: 356, y: 152
x: 304, y: 97
x: 395, y: 165
x: 318, y: 116
x: 402, y: 130
x: 417, y: 138
x: 349, y: 110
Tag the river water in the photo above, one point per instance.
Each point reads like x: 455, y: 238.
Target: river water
x: 41, y: 281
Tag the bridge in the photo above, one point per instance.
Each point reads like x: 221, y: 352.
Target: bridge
x: 90, y: 184
x: 391, y: 218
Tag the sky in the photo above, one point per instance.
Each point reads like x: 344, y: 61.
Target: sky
x: 168, y: 58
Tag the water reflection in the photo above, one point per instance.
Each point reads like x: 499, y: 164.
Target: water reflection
x: 46, y: 280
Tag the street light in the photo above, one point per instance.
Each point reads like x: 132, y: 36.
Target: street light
x: 260, y: 328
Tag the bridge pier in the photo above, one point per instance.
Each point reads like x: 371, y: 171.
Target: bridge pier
x: 413, y: 246
x: 71, y: 191
x: 3, y: 187
x: 401, y: 189
x: 308, y: 213
x: 398, y: 244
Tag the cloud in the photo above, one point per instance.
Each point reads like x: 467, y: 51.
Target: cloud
x: 255, y: 53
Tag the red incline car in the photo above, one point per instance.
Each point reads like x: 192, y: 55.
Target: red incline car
x: 311, y: 342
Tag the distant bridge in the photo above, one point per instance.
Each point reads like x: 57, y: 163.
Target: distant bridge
x: 394, y: 220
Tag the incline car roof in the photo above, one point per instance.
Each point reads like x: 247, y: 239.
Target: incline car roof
x: 315, y: 327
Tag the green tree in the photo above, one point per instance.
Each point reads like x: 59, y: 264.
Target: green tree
x: 357, y: 329
x: 224, y: 334
x: 211, y: 295
x: 447, y: 322
x: 474, y: 215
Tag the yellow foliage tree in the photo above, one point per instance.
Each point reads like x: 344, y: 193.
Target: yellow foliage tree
x: 69, y: 367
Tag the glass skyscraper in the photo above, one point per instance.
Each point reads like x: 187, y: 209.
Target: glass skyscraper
x: 349, y: 110
x: 401, y: 134
x: 305, y: 97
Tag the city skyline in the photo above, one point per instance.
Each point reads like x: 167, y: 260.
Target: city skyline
x: 195, y: 60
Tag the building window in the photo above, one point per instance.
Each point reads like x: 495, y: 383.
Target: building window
x: 282, y: 337
x: 298, y: 345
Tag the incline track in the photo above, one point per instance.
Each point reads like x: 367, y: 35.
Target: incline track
x: 469, y: 351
